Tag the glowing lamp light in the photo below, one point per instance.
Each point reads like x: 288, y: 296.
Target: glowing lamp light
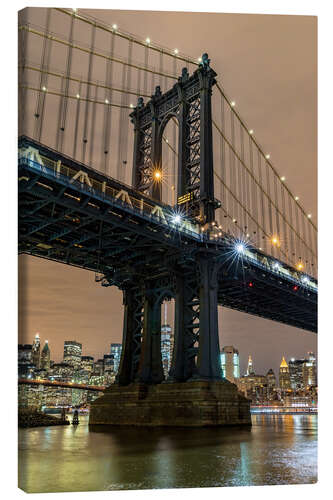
x: 309, y: 216
x: 176, y: 51
x: 268, y: 157
x: 295, y: 288
x: 283, y: 178
x: 131, y: 105
x: 232, y: 103
x: 275, y: 241
x: 296, y: 198
x: 114, y: 26
x: 147, y: 40
x: 106, y: 101
x: 250, y: 284
x: 157, y: 175
x: 44, y: 89
x: 176, y: 219
x: 251, y: 131
x: 77, y: 96
x: 276, y: 265
x: 300, y: 266
x: 240, y: 248
x: 305, y: 279
x: 199, y: 59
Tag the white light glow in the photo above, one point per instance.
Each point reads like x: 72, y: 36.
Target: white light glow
x: 268, y: 157
x: 114, y: 26
x: 296, y: 198
x: 131, y: 105
x: 232, y: 103
x: 309, y: 216
x: 106, y: 101
x: 251, y: 131
x: 176, y: 51
x: 283, y: 178
x: 240, y: 248
x: 176, y: 219
x: 44, y: 89
x: 147, y: 40
x: 77, y: 96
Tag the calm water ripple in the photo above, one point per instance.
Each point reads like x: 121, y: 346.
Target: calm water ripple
x: 278, y: 449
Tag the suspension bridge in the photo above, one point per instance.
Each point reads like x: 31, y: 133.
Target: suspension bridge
x: 134, y: 163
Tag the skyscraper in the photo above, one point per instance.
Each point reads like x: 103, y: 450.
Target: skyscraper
x: 36, y: 351
x: 284, y: 376
x: 271, y: 380
x: 310, y: 370
x: 166, y: 332
x: 115, y: 351
x: 296, y: 369
x: 72, y: 353
x: 230, y: 363
x: 250, y: 370
x: 45, y: 357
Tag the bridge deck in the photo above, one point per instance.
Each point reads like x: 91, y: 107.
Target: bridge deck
x: 75, y: 215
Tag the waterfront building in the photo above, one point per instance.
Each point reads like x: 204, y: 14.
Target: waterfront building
x: 36, y: 351
x: 87, y: 363
x: 310, y: 371
x: 271, y: 379
x: 25, y: 365
x: 250, y: 370
x: 230, y: 363
x: 45, y: 357
x: 115, y: 351
x: 284, y: 376
x: 72, y: 353
x: 296, y: 372
x: 253, y: 387
x: 63, y: 372
x: 166, y: 332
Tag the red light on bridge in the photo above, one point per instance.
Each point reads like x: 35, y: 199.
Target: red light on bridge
x: 250, y: 284
x: 295, y: 288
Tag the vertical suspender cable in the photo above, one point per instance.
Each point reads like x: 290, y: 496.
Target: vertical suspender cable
x: 77, y: 122
x: 64, y: 99
x: 87, y: 103
x: 108, y: 109
x: 43, y: 78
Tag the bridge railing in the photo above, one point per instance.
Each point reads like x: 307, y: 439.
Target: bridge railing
x: 165, y: 215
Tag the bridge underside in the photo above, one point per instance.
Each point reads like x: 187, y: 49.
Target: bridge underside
x: 61, y: 222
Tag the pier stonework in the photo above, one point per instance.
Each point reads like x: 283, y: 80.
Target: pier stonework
x: 184, y: 404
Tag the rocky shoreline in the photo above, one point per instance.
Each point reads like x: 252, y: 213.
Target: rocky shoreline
x: 35, y: 418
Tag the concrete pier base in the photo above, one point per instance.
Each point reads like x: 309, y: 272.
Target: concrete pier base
x: 188, y: 404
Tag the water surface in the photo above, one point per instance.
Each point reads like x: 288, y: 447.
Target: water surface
x: 278, y: 449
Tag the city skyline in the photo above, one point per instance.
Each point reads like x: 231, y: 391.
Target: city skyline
x: 243, y: 359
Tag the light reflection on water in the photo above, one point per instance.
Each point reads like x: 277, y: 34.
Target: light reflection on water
x: 278, y: 449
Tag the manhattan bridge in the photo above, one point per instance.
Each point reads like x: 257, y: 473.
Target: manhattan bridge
x: 135, y: 164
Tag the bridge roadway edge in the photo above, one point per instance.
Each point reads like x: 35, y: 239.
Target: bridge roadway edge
x: 200, y: 403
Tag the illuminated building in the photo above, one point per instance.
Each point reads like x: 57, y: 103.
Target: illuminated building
x: 250, y: 370
x: 87, y: 363
x: 296, y: 368
x: 25, y: 365
x: 271, y: 379
x: 72, y: 353
x: 166, y: 348
x: 62, y: 372
x: 253, y: 387
x: 310, y: 371
x: 115, y: 351
x: 284, y: 376
x: 36, y: 351
x: 230, y: 363
x: 45, y: 358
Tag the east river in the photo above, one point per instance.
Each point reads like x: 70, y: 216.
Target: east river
x: 278, y: 449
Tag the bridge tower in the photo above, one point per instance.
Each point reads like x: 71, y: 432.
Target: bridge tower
x: 189, y: 275
x: 192, y: 281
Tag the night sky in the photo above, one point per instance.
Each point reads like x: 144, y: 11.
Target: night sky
x: 268, y: 65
